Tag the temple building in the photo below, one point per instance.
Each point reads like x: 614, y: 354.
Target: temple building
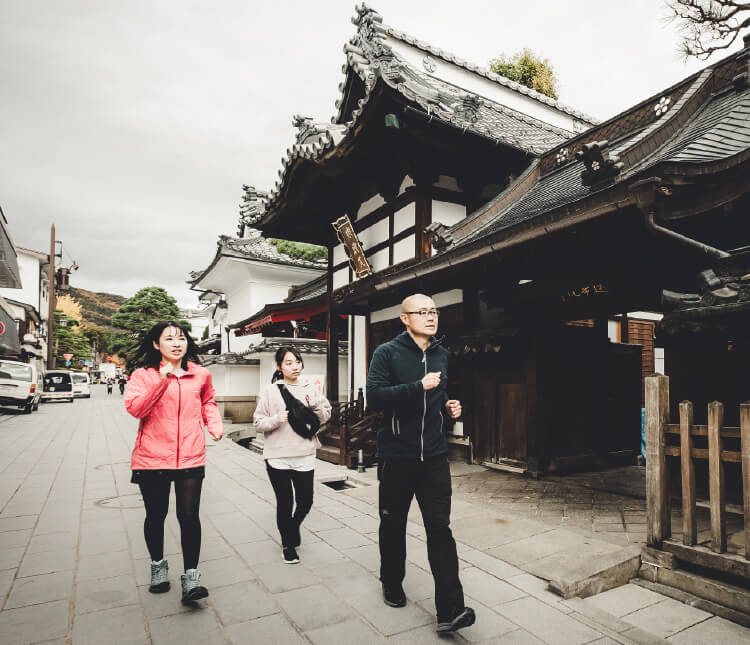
x: 534, y: 229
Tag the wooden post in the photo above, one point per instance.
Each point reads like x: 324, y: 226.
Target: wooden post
x: 716, y: 491
x: 745, y: 449
x: 657, y: 476
x: 51, y: 347
x: 343, y: 432
x: 689, y: 526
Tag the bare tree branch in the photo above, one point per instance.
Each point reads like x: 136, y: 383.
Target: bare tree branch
x: 708, y: 26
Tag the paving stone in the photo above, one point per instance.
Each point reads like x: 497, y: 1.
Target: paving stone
x: 716, y: 631
x: 269, y: 630
x: 11, y: 558
x: 354, y: 630
x: 6, y: 582
x: 35, y: 590
x: 95, y: 543
x: 105, y: 593
x: 425, y: 635
x: 215, y: 548
x: 536, y: 547
x: 198, y: 626
x: 104, y: 565
x: 35, y: 564
x: 241, y: 602
x: 319, y: 554
x: 14, y: 539
x: 343, y: 538
x: 121, y: 625
x: 624, y: 600
x: 488, y: 563
x: 314, y: 607
x: 546, y: 623
x: 392, y: 620
x: 487, y: 589
x: 366, y: 556
x: 666, y: 617
x: 224, y: 571
x: 35, y: 623
x: 362, y: 523
x: 259, y: 552
x: 538, y: 588
x: 18, y: 523
x: 279, y: 577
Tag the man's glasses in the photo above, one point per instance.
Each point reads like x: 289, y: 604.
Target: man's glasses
x: 425, y: 313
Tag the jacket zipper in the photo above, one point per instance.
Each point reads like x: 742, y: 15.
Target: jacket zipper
x: 424, y: 410
x: 179, y: 405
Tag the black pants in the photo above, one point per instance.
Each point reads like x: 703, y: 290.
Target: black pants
x: 430, y: 481
x: 283, y: 481
x: 155, y: 492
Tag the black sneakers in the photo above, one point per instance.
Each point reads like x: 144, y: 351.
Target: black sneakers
x: 289, y: 554
x: 394, y: 595
x: 464, y: 618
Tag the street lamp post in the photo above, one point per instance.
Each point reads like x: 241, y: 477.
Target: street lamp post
x: 52, y: 304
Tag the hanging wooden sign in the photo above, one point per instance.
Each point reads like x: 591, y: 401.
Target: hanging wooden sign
x: 350, y: 241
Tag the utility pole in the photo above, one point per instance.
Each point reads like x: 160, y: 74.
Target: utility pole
x: 52, y: 304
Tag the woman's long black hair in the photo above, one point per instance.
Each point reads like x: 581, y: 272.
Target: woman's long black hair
x: 281, y: 353
x: 146, y: 355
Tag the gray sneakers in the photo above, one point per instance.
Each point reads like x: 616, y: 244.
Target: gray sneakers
x: 159, y: 576
x: 191, y: 586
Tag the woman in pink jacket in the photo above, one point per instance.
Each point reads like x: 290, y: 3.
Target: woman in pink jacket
x: 290, y: 458
x: 174, y: 399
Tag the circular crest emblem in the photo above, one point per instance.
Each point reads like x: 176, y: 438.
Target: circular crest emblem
x: 2, y: 328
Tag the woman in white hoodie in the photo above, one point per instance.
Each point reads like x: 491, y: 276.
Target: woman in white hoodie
x: 290, y: 458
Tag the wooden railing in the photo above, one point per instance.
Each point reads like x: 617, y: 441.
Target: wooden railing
x: 658, y: 448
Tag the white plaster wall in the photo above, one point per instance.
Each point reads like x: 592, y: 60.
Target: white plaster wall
x: 404, y: 218
x: 404, y: 250
x: 339, y: 254
x: 447, y: 213
x: 489, y: 89
x: 359, y: 365
x: 376, y: 201
x: 659, y: 360
x: 242, y: 380
x: 28, y: 267
x: 374, y: 234
x: 408, y: 182
x: 612, y: 327
x: 340, y: 277
x: 379, y: 261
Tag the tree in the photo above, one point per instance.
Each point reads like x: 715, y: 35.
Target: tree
x: 68, y: 305
x: 204, y: 336
x: 69, y: 339
x: 300, y: 250
x: 137, y: 315
x: 528, y: 69
x: 708, y: 26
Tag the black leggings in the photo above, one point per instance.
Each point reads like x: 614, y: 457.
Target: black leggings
x: 156, y: 499
x: 282, y: 482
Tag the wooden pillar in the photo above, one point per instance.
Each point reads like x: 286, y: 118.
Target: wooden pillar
x: 716, y: 490
x: 423, y: 217
x: 689, y: 525
x: 657, y: 476
x: 332, y: 347
x: 745, y: 450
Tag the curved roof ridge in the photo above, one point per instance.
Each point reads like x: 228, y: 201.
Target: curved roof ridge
x: 373, y: 23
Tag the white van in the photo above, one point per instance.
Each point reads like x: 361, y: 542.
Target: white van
x: 58, y: 386
x: 81, y: 385
x: 20, y: 385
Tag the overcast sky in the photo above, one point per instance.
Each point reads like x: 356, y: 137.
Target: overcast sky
x: 133, y: 125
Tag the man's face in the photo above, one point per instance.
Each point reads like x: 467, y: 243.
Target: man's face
x: 421, y: 317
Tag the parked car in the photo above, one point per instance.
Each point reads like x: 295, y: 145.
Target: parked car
x: 58, y: 386
x: 20, y: 385
x: 81, y: 385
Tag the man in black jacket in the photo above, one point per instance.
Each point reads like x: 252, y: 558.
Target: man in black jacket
x: 407, y: 383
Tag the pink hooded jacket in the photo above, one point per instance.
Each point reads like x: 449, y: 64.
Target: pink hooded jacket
x: 173, y: 413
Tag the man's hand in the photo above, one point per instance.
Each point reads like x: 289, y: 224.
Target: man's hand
x: 430, y: 381
x: 454, y: 408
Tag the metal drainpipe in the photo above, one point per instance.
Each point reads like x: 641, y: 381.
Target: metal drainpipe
x: 700, y: 246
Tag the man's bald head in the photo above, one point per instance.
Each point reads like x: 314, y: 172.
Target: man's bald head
x: 417, y: 301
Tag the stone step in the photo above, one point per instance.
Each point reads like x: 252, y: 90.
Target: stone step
x: 739, y: 617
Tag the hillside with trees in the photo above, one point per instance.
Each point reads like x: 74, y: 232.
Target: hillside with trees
x: 97, y: 308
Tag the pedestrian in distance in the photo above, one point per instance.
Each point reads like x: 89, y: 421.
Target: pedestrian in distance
x: 110, y: 383
x: 122, y: 383
x: 407, y: 382
x: 173, y: 398
x: 289, y: 456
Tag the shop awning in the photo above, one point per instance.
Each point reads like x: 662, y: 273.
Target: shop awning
x: 280, y: 312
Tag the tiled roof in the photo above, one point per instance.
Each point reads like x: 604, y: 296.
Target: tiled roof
x: 373, y: 61
x: 304, y: 345
x: 228, y: 358
x: 308, y: 291
x: 254, y: 247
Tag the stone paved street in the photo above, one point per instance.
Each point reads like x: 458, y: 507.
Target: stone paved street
x: 74, y: 568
